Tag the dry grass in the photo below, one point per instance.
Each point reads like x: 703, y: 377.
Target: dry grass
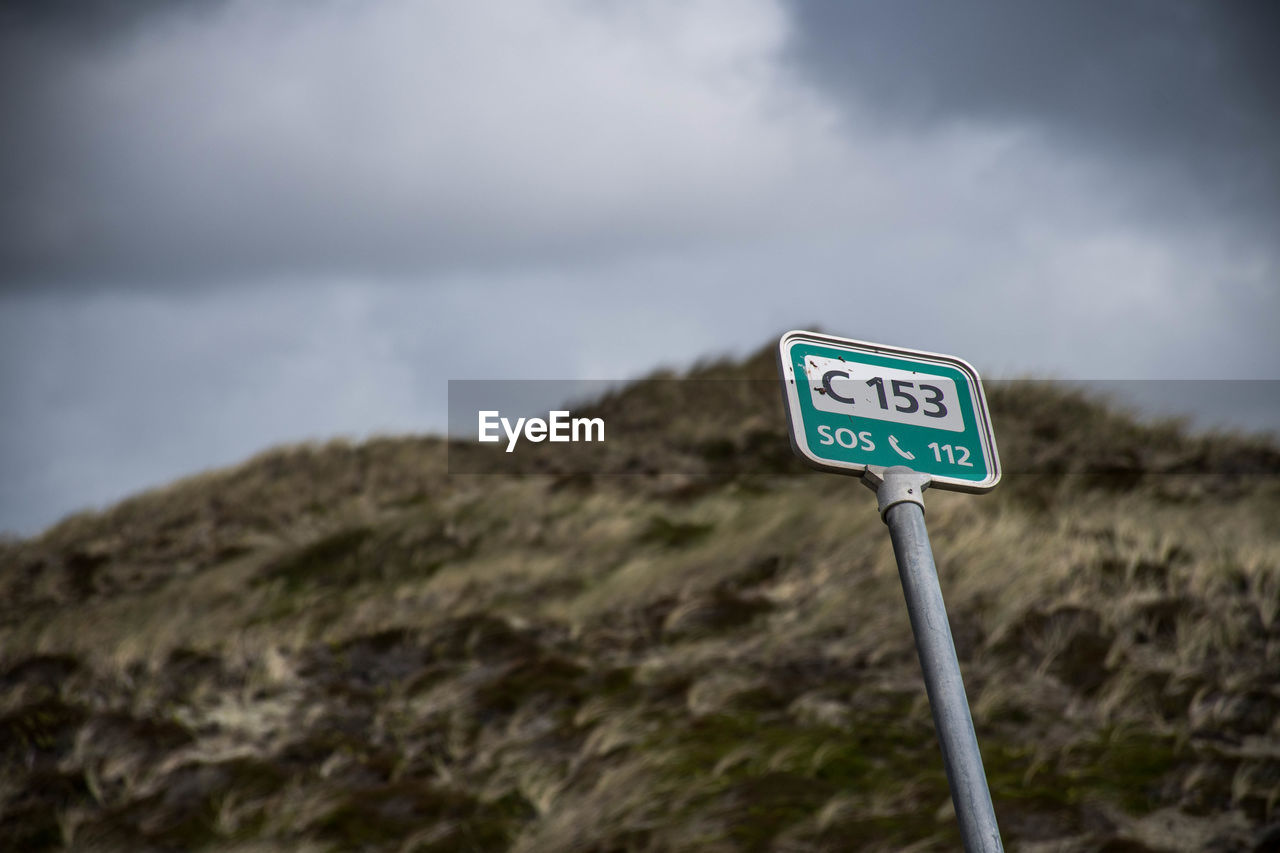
x: 343, y: 647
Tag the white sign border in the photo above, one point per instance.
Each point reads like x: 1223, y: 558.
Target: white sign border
x: 791, y: 394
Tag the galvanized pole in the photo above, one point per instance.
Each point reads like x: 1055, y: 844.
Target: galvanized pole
x: 900, y: 495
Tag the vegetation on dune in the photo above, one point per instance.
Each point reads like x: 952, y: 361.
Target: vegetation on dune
x: 345, y: 647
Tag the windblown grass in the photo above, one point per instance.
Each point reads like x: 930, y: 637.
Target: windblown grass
x: 341, y: 647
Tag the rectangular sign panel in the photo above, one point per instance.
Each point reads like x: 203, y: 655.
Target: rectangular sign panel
x: 851, y: 404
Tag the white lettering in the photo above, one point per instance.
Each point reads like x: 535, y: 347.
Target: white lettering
x: 486, y: 424
x: 513, y: 435
x: 845, y: 437
x: 588, y: 424
x: 559, y: 426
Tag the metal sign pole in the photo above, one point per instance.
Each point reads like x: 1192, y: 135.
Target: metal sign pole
x: 900, y: 495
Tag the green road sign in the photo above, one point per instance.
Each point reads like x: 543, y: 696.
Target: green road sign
x: 852, y: 404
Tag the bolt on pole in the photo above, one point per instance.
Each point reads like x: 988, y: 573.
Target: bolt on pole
x: 900, y: 495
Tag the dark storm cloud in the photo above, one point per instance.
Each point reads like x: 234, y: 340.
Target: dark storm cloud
x: 238, y: 140
x: 88, y: 21
x: 1185, y: 93
x: 229, y: 224
x: 153, y: 143
x: 42, y: 168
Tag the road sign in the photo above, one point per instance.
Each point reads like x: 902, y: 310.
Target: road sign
x: 852, y: 404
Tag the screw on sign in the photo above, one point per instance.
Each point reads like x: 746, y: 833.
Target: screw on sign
x: 904, y: 420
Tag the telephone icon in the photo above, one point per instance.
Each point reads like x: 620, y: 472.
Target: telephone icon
x: 905, y: 454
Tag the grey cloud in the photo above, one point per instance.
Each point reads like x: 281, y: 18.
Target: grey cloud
x: 298, y: 139
x: 234, y: 141
x: 582, y: 190
x: 108, y: 393
x: 1186, y: 93
x: 94, y: 21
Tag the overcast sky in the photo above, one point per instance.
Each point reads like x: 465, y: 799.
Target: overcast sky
x: 227, y: 225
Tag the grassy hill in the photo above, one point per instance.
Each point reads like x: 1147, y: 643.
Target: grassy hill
x: 345, y: 647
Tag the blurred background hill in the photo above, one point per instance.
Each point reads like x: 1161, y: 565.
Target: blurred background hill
x: 345, y: 646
